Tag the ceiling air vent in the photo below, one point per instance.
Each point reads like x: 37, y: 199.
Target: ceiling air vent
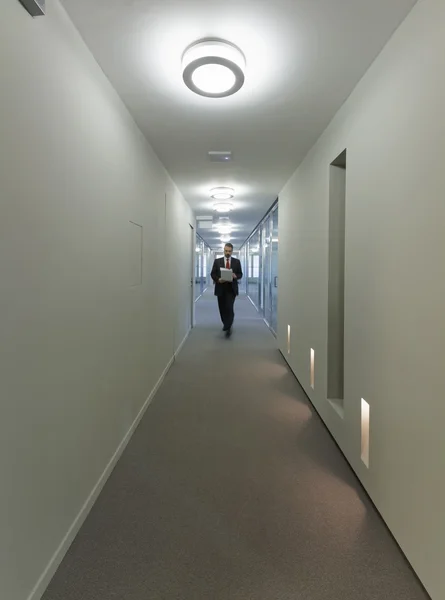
x: 204, y: 222
x: 36, y: 8
x: 219, y: 156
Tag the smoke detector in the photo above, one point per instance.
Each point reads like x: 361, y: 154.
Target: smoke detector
x: 220, y: 156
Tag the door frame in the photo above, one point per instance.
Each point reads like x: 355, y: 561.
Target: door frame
x: 192, y: 275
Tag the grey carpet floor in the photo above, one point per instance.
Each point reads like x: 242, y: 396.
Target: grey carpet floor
x: 232, y: 492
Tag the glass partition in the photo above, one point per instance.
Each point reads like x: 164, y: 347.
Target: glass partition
x: 254, y: 268
x: 274, y: 271
x: 260, y: 256
x: 244, y: 265
x: 207, y: 266
x: 198, y: 267
x: 203, y: 266
x: 266, y: 303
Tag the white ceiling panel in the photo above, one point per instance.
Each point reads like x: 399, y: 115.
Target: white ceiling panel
x: 304, y: 57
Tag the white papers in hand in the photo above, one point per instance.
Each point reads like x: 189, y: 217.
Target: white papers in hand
x: 227, y: 274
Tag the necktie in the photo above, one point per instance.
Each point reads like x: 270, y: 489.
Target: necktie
x: 227, y: 264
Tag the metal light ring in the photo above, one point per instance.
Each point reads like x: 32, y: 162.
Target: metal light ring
x: 213, y: 60
x: 228, y: 196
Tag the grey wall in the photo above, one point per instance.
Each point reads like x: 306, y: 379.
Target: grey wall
x: 393, y: 127
x: 83, y: 341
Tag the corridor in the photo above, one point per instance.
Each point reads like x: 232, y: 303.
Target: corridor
x: 232, y: 489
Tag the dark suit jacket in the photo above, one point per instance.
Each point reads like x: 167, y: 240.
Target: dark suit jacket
x: 219, y: 264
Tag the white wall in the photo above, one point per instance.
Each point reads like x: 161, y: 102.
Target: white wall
x: 81, y: 350
x: 393, y: 127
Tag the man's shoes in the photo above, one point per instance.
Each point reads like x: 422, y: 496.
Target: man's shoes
x: 228, y: 332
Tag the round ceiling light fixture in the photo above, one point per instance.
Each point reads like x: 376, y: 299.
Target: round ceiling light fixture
x: 225, y: 239
x: 224, y: 229
x: 213, y: 68
x: 223, y: 207
x: 222, y: 193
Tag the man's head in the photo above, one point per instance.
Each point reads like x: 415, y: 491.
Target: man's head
x: 228, y: 249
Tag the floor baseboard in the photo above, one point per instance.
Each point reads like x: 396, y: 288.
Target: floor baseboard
x: 181, y: 345
x: 64, y: 546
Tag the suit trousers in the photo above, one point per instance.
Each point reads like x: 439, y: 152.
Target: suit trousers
x: 225, y: 304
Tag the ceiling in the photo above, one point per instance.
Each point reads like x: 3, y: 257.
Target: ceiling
x: 304, y: 57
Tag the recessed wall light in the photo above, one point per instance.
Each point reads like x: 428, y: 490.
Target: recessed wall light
x: 312, y: 368
x: 213, y: 68
x: 365, y: 432
x: 222, y: 193
x: 223, y: 207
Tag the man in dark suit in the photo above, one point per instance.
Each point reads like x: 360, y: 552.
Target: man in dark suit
x: 226, y: 291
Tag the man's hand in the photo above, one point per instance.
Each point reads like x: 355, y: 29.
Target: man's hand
x: 234, y: 276
x: 221, y: 281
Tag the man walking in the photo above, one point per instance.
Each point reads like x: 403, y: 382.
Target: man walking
x: 226, y: 291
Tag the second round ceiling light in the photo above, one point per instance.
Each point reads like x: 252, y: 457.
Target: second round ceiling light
x: 224, y: 194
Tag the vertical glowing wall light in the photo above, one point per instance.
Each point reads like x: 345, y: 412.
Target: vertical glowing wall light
x: 365, y: 433
x: 288, y: 339
x: 312, y: 368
